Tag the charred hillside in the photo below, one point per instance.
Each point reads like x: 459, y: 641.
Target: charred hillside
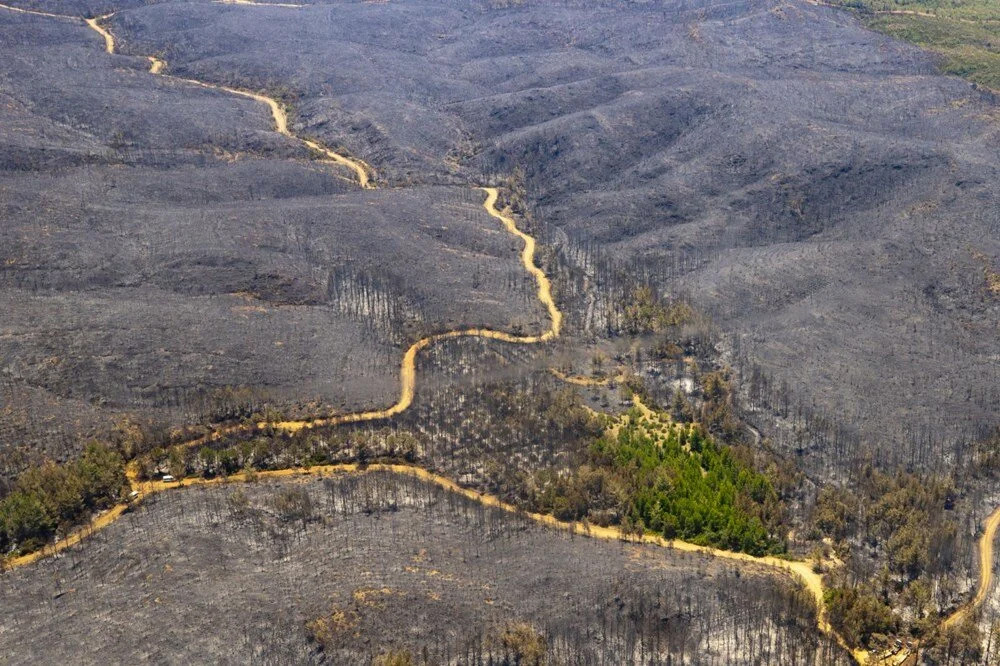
x: 254, y: 562
x: 816, y: 187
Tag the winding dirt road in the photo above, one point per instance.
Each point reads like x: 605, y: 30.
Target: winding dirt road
x: 801, y: 571
x: 253, y: 3
x: 278, y: 112
x: 986, y: 542
x: 583, y: 380
x: 408, y: 368
x: 35, y: 12
x: 407, y: 375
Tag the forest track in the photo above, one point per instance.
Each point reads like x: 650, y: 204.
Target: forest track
x: 253, y: 3
x: 408, y: 365
x: 797, y: 569
x: 408, y: 369
x: 279, y: 114
x: 36, y: 12
x: 583, y: 380
x: 986, y: 545
x: 871, y: 12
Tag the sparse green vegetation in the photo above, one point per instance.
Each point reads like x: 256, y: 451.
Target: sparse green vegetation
x: 678, y: 482
x: 961, y: 643
x: 906, y: 516
x: 858, y: 615
x: 966, y: 34
x: 51, y: 499
x: 392, y: 572
x: 293, y: 504
x: 395, y: 658
x: 682, y: 484
x: 900, y: 527
x: 522, y: 645
x: 647, y: 313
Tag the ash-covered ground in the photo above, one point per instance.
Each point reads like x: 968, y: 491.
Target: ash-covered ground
x: 345, y: 569
x: 160, y: 242
x: 817, y: 188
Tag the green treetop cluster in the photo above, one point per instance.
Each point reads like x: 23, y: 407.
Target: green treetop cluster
x: 681, y: 484
x: 653, y: 475
x: 51, y: 499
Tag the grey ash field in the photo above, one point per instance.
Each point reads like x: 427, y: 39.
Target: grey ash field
x: 161, y: 241
x: 817, y: 188
x: 226, y: 575
x: 818, y: 193
x: 814, y: 187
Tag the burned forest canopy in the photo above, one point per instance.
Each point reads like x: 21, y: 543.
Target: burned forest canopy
x: 702, y: 149
x: 770, y: 234
x: 254, y: 562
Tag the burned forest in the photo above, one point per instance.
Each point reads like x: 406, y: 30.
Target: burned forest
x: 499, y: 332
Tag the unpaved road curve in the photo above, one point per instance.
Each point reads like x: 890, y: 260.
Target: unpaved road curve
x: 986, y: 542
x: 408, y: 365
x: 278, y: 112
x: 253, y: 3
x: 38, y: 13
x: 802, y: 571
x: 408, y: 368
